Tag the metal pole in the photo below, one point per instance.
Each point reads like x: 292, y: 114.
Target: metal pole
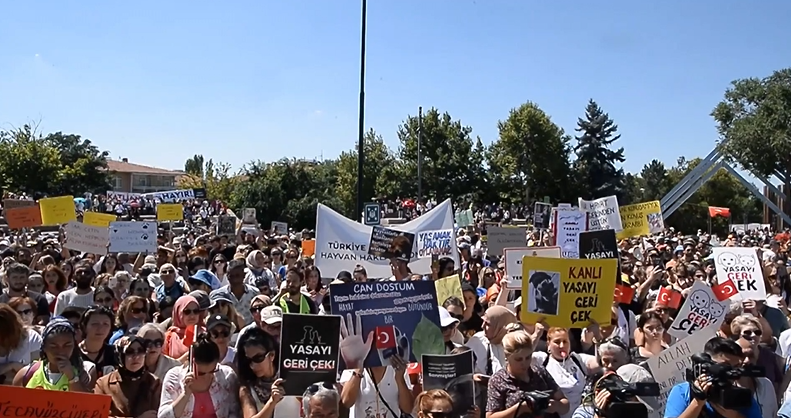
x: 361, y: 127
x: 419, y: 154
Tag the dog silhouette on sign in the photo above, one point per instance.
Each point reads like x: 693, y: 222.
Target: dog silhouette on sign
x: 597, y: 245
x: 311, y: 336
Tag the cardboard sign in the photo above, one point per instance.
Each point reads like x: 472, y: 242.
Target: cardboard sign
x: 57, y: 210
x: 447, y: 287
x: 641, y: 219
x: 499, y: 238
x: 17, y: 203
x: 28, y: 403
x: 741, y: 266
x: 98, y: 219
x: 541, y: 213
x: 568, y: 225
x: 23, y: 217
x: 513, y: 261
x: 603, y: 213
x: 86, y: 238
x: 435, y: 243
x: 453, y: 374
x: 133, y: 237
x: 170, y: 212
x: 701, y: 310
x: 280, y: 228
x: 308, y: 247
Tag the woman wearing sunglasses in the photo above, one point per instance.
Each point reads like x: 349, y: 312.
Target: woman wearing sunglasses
x: 748, y: 328
x: 156, y: 362
x: 203, y: 388
x: 132, y: 313
x: 178, y: 338
x: 437, y: 403
x: 261, y: 393
x: 134, y: 391
x: 219, y: 328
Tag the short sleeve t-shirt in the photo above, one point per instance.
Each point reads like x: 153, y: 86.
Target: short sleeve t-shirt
x: 42, y: 304
x: 22, y: 354
x: 369, y: 403
x: 680, y: 397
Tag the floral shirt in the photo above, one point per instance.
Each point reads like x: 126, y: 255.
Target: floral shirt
x: 506, y: 391
x: 224, y: 392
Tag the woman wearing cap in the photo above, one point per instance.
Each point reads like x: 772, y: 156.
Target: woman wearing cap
x: 61, y: 366
x: 134, y: 391
x: 156, y: 362
x: 220, y: 329
x: 186, y: 317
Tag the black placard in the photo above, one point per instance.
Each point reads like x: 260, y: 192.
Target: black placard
x: 598, y: 244
x: 389, y: 243
x: 199, y: 193
x: 452, y: 373
x: 308, y: 351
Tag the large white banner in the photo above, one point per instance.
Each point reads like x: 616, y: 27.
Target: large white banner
x: 342, y: 243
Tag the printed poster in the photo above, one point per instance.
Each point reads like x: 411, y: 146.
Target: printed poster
x: 57, y: 210
x: 389, y: 243
x: 742, y: 266
x: 669, y: 367
x: 641, y: 219
x: 541, y: 213
x: 453, y: 374
x: 435, y: 243
x: 86, y: 238
x: 700, y: 310
x: 309, y: 350
x: 280, y: 228
x: 567, y: 293
x: 603, y: 213
x: 248, y: 216
x: 391, y: 318
x: 500, y: 238
x: 133, y: 237
x: 568, y: 225
x: 513, y: 262
x: 598, y: 244
x: 226, y: 225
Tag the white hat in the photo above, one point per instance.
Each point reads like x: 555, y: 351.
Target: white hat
x: 445, y: 318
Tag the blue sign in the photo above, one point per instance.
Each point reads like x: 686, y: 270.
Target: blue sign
x: 384, y: 320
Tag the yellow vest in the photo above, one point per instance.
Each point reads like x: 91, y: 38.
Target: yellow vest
x: 39, y: 379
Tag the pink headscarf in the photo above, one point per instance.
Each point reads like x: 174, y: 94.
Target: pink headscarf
x: 176, y: 336
x: 178, y: 311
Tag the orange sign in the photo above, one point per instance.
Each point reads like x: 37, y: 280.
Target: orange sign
x: 30, y: 403
x: 308, y: 248
x: 23, y: 217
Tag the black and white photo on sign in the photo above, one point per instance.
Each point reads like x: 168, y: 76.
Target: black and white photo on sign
x: 248, y: 216
x: 541, y: 213
x: 700, y: 310
x: 452, y: 373
x: 655, y: 222
x: 741, y: 266
x: 543, y: 292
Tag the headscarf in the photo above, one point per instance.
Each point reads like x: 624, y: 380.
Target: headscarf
x: 252, y: 263
x: 178, y: 311
x: 122, y: 345
x: 177, y: 340
x: 58, y: 326
x: 498, y: 318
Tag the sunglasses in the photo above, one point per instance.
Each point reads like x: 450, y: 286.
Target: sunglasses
x: 220, y: 334
x: 200, y: 373
x: 159, y: 342
x: 256, y: 309
x: 316, y: 386
x: 188, y: 312
x: 105, y: 301
x: 136, y: 311
x: 433, y: 414
x: 167, y: 272
x: 747, y: 334
x: 459, y: 317
x: 258, y: 358
x: 220, y: 261
x: 24, y: 312
x: 449, y: 327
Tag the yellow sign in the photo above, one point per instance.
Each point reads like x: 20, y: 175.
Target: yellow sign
x: 101, y: 220
x: 447, y: 287
x: 567, y: 293
x: 57, y: 210
x: 170, y: 212
x: 641, y: 219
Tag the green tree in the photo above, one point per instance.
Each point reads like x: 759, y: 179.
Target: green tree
x: 634, y: 190
x: 596, y: 162
x: 446, y: 150
x: 28, y: 164
x: 194, y: 165
x: 655, y: 181
x: 83, y: 165
x: 754, y: 123
x: 216, y: 178
x: 530, y: 157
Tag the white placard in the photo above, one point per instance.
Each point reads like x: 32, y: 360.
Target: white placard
x: 669, y: 367
x: 568, y: 225
x: 342, y: 243
x: 499, y: 238
x: 133, y: 237
x: 248, y: 216
x: 86, y: 238
x: 431, y: 243
x: 513, y: 261
x: 280, y: 227
x: 172, y: 195
x: 700, y: 310
x: 742, y: 266
x: 603, y: 213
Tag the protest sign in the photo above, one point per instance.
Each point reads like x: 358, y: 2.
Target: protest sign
x: 389, y: 243
x: 541, y: 214
x: 101, y: 220
x: 701, y: 310
x: 17, y: 203
x: 57, y: 210
x: 133, y: 237
x: 499, y: 239
x: 603, y: 213
x: 308, y: 248
x: 513, y: 262
x: 741, y: 266
x: 309, y: 350
x: 401, y: 317
x: 453, y: 374
x: 23, y: 217
x: 279, y: 227
x: 669, y: 367
x: 447, y: 287
x: 464, y: 218
x: 172, y: 195
x: 226, y: 225
x: 342, y: 243
x: 248, y: 216
x: 170, y: 212
x: 86, y: 238
x: 567, y: 293
x: 22, y: 402
x: 567, y: 227
x: 598, y: 244
x: 435, y: 243
x: 641, y: 219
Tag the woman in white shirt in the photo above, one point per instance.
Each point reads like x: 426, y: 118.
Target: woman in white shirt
x: 569, y: 369
x: 487, y: 344
x: 762, y: 388
x: 19, y: 345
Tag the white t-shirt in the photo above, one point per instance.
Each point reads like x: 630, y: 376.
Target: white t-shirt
x: 70, y: 297
x: 766, y: 397
x: 29, y: 344
x: 569, y: 377
x: 479, y: 345
x: 368, y: 402
x: 625, y: 328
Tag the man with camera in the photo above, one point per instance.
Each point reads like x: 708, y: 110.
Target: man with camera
x: 710, y: 391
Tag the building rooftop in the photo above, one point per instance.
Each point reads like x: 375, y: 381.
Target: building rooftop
x: 124, y: 166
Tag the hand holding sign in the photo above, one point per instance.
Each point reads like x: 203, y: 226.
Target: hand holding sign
x: 353, y: 349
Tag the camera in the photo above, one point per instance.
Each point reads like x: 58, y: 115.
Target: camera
x: 723, y: 392
x: 622, y: 401
x: 537, y: 400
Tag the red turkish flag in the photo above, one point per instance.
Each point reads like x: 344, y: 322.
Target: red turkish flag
x: 715, y: 211
x: 669, y: 298
x: 385, y: 337
x: 623, y: 293
x: 724, y: 290
x: 414, y: 368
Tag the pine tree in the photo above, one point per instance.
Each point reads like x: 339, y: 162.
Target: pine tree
x: 596, y: 162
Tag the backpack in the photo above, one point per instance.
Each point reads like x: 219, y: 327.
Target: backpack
x: 576, y: 359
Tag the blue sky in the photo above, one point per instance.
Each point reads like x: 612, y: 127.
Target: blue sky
x: 157, y: 82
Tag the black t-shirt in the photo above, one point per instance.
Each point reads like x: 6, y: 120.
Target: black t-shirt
x: 471, y: 326
x: 294, y: 308
x: 108, y: 360
x: 42, y: 306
